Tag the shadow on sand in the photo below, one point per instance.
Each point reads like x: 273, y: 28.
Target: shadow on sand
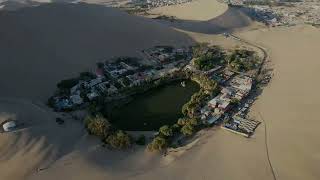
x: 54, y: 41
x: 233, y: 19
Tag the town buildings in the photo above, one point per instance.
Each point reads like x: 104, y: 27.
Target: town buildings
x: 121, y: 73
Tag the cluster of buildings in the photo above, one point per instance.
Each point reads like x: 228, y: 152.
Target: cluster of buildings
x: 235, y: 91
x: 123, y: 73
x: 222, y: 76
x: 232, y: 103
x: 84, y: 91
x: 160, y: 3
x: 166, y: 54
x: 143, y: 4
x: 265, y: 15
x: 278, y: 13
x: 241, y: 126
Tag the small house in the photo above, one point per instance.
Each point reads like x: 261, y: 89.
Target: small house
x: 9, y: 126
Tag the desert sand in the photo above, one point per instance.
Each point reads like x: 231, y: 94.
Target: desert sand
x: 41, y: 45
x: 37, y: 51
x: 198, y: 10
x: 290, y: 104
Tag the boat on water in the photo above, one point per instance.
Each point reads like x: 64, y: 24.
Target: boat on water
x: 183, y: 84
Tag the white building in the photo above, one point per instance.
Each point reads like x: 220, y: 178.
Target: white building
x: 220, y: 103
x: 94, y: 82
x: 74, y: 89
x: 92, y: 95
x: 214, y: 118
x: 8, y: 126
x: 112, y: 89
x: 242, y: 83
x: 76, y: 99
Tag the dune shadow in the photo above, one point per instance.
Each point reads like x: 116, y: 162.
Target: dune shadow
x: 54, y: 41
x: 234, y: 18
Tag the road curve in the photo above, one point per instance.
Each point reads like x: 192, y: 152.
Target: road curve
x: 264, y: 59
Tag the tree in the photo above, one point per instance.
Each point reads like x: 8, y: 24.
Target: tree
x: 87, y: 75
x: 182, y: 121
x: 188, y: 126
x: 185, y: 109
x: 192, y: 121
x: 187, y: 129
x: 175, y: 127
x: 166, y: 130
x: 242, y: 60
x: 199, y: 49
x: 206, y: 83
x: 97, y: 125
x: 158, y: 144
x: 119, y: 140
x: 67, y: 83
x: 234, y: 101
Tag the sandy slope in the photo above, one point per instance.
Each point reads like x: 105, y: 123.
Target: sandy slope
x: 36, y: 145
x: 198, y: 10
x: 290, y: 105
x: 42, y: 45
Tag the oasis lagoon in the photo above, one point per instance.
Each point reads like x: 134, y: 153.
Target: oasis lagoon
x: 155, y: 108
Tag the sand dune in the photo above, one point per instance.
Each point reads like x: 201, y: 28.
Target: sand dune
x: 198, y: 10
x: 290, y: 105
x: 42, y: 45
x: 231, y: 20
x: 37, y: 144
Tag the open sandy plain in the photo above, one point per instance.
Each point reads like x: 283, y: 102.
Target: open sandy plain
x: 290, y: 104
x: 43, y: 45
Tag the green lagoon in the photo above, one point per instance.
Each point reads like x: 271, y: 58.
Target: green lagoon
x: 157, y: 107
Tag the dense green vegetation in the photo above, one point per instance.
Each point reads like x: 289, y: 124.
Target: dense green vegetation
x: 67, y: 83
x: 164, y: 17
x: 205, y: 83
x: 190, y: 108
x: 242, y: 60
x: 188, y: 125
x: 184, y: 126
x: 119, y: 140
x: 199, y: 49
x: 158, y: 144
x: 85, y: 76
x: 206, y: 57
x: 99, y: 126
x: 166, y: 131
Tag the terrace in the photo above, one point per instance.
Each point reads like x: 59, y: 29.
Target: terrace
x: 242, y: 126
